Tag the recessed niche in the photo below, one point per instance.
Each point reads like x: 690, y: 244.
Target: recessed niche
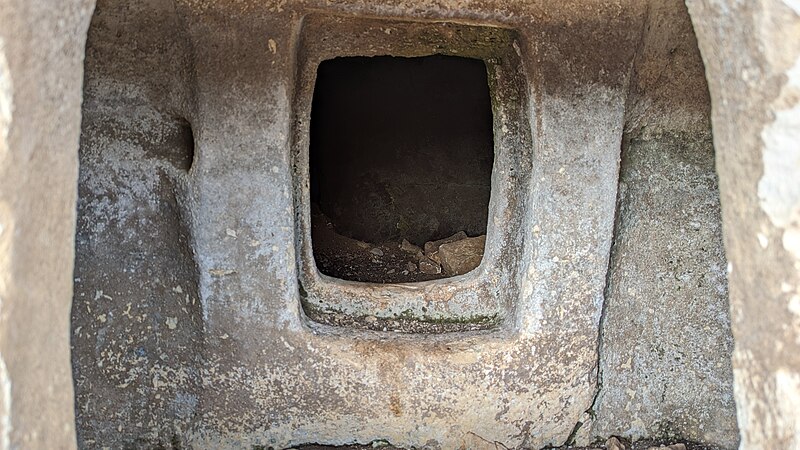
x: 180, y: 151
x: 413, y: 133
x: 401, y: 153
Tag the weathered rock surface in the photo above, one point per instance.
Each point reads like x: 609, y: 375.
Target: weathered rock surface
x: 248, y: 366
x: 429, y: 266
x: 752, y: 58
x: 186, y: 325
x: 41, y: 70
x: 432, y: 247
x: 462, y: 256
x: 666, y: 342
x: 410, y: 248
x: 613, y: 443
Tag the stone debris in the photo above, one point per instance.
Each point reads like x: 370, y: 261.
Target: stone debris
x: 399, y: 261
x: 435, y: 256
x: 614, y: 444
x: 669, y: 447
x: 462, y: 256
x: 455, y: 255
x: 408, y: 247
x: 433, y: 246
x: 426, y: 265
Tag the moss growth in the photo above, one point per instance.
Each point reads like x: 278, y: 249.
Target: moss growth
x: 321, y: 313
x: 476, y: 319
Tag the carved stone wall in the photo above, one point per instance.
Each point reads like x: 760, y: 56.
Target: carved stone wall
x: 199, y: 319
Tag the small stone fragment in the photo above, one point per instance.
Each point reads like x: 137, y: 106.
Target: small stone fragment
x: 670, y: 447
x: 433, y: 246
x: 390, y: 271
x: 614, y: 444
x: 376, y: 252
x: 362, y: 244
x: 172, y: 322
x: 462, y: 256
x: 429, y: 267
x: 411, y: 267
x: 410, y: 248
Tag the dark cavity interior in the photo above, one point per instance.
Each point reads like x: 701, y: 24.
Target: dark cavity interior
x: 401, y: 149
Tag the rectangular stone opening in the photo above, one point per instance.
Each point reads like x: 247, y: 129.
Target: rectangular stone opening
x: 412, y: 131
x: 401, y: 153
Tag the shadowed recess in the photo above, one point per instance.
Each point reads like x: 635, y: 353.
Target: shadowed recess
x: 401, y: 148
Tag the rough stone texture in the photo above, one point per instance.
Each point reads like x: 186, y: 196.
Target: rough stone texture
x: 666, y: 342
x: 41, y: 55
x: 340, y: 386
x: 665, y: 358
x: 429, y: 266
x: 187, y: 326
x: 462, y: 256
x: 239, y: 363
x: 433, y: 246
x: 486, y: 296
x: 137, y: 321
x: 752, y: 58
